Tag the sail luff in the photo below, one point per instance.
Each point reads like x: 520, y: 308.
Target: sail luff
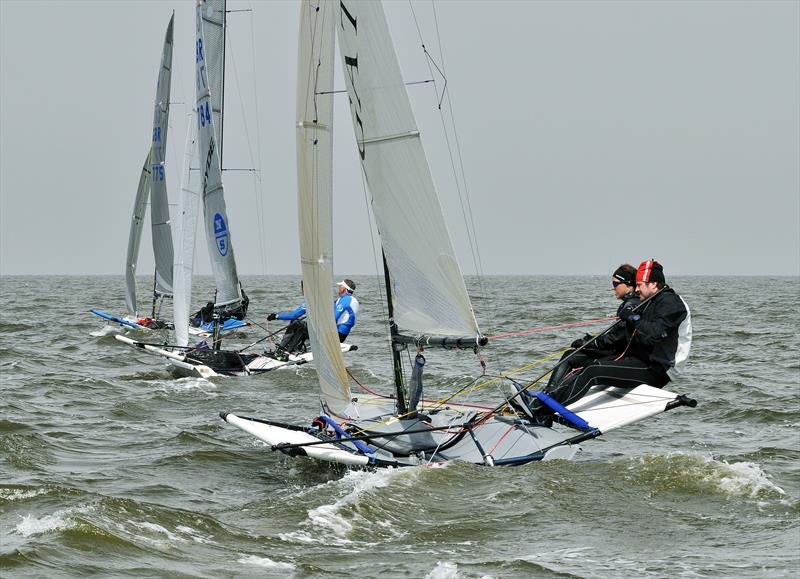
x: 429, y: 293
x: 159, y: 208
x: 314, y: 193
x: 189, y: 211
x: 214, y: 39
x: 218, y: 233
x: 135, y: 237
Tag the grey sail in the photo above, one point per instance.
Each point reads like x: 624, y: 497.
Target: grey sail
x: 428, y: 291
x: 217, y: 225
x: 189, y: 210
x: 159, y: 202
x: 135, y: 238
x: 213, y: 23
x: 314, y: 188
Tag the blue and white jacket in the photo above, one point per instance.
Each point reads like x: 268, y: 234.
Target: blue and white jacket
x: 344, y: 312
x: 294, y: 314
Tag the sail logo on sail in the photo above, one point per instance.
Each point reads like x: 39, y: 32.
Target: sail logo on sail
x: 351, y: 66
x: 221, y: 234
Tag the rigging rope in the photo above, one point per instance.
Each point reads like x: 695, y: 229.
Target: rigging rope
x: 540, y: 330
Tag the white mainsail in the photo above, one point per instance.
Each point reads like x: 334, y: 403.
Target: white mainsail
x: 187, y: 227
x: 135, y: 237
x: 213, y: 14
x: 159, y: 203
x: 218, y: 232
x: 314, y: 186
x: 428, y: 290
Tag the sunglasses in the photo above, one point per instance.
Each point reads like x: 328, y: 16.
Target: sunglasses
x: 616, y: 283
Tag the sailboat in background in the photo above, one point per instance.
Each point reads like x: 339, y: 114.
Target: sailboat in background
x: 428, y: 304
x: 230, y: 301
x: 152, y: 184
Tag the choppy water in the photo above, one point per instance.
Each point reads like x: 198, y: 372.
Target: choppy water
x: 109, y: 466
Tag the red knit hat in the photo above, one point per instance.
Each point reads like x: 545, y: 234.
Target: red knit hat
x: 650, y: 271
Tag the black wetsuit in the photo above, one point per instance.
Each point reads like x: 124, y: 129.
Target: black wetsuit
x: 659, y: 340
x: 605, y: 347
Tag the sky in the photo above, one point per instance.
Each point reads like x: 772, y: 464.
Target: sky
x: 590, y: 133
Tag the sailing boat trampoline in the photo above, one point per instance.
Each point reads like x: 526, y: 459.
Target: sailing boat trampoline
x: 427, y: 301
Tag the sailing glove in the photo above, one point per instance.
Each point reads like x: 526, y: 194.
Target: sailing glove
x: 581, y: 341
x: 628, y: 315
x: 271, y: 317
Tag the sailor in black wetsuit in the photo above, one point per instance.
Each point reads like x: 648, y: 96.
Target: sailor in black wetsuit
x: 610, y: 344
x: 659, y: 336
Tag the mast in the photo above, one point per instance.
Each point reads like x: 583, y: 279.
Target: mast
x: 397, y: 346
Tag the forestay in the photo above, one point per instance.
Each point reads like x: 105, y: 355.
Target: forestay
x: 428, y: 290
x: 217, y: 227
x: 135, y: 237
x: 314, y: 188
x: 159, y: 203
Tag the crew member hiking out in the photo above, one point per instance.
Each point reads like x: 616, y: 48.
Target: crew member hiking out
x: 658, y: 339
x: 609, y: 345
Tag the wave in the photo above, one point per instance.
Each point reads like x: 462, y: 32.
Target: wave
x: 703, y: 474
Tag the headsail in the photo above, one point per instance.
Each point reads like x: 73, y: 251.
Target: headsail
x: 159, y: 203
x: 218, y: 233
x: 314, y: 185
x: 428, y: 290
x: 214, y: 41
x: 187, y: 229
x: 135, y: 237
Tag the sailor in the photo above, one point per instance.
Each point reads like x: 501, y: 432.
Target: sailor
x: 660, y: 339
x: 296, y: 334
x: 610, y: 344
x: 345, y: 308
x: 204, y: 315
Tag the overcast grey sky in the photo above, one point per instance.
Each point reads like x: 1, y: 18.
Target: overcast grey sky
x: 592, y: 133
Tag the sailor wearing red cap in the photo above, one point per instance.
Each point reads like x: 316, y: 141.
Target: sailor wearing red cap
x: 659, y: 337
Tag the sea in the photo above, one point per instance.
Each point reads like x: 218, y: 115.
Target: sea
x: 112, y: 467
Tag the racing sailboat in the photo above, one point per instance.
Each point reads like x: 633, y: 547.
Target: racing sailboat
x: 152, y: 184
x: 427, y: 300
x: 211, y: 361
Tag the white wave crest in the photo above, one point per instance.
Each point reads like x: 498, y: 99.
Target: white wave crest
x: 58, y: 521
x: 443, y: 570
x: 329, y: 520
x: 264, y: 562
x: 20, y: 495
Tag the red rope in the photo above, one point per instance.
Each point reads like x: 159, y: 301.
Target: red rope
x: 539, y: 330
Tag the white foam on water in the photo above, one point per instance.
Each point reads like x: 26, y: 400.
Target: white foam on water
x: 328, y: 520
x: 162, y: 534
x: 105, y: 331
x: 58, y: 521
x: 19, y: 494
x: 264, y: 562
x: 746, y: 478
x: 194, y: 535
x: 188, y: 384
x: 443, y: 570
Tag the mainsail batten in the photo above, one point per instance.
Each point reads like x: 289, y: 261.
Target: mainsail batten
x: 314, y: 192
x: 429, y: 294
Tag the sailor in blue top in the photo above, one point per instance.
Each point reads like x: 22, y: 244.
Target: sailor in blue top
x: 345, y: 308
x: 344, y: 311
